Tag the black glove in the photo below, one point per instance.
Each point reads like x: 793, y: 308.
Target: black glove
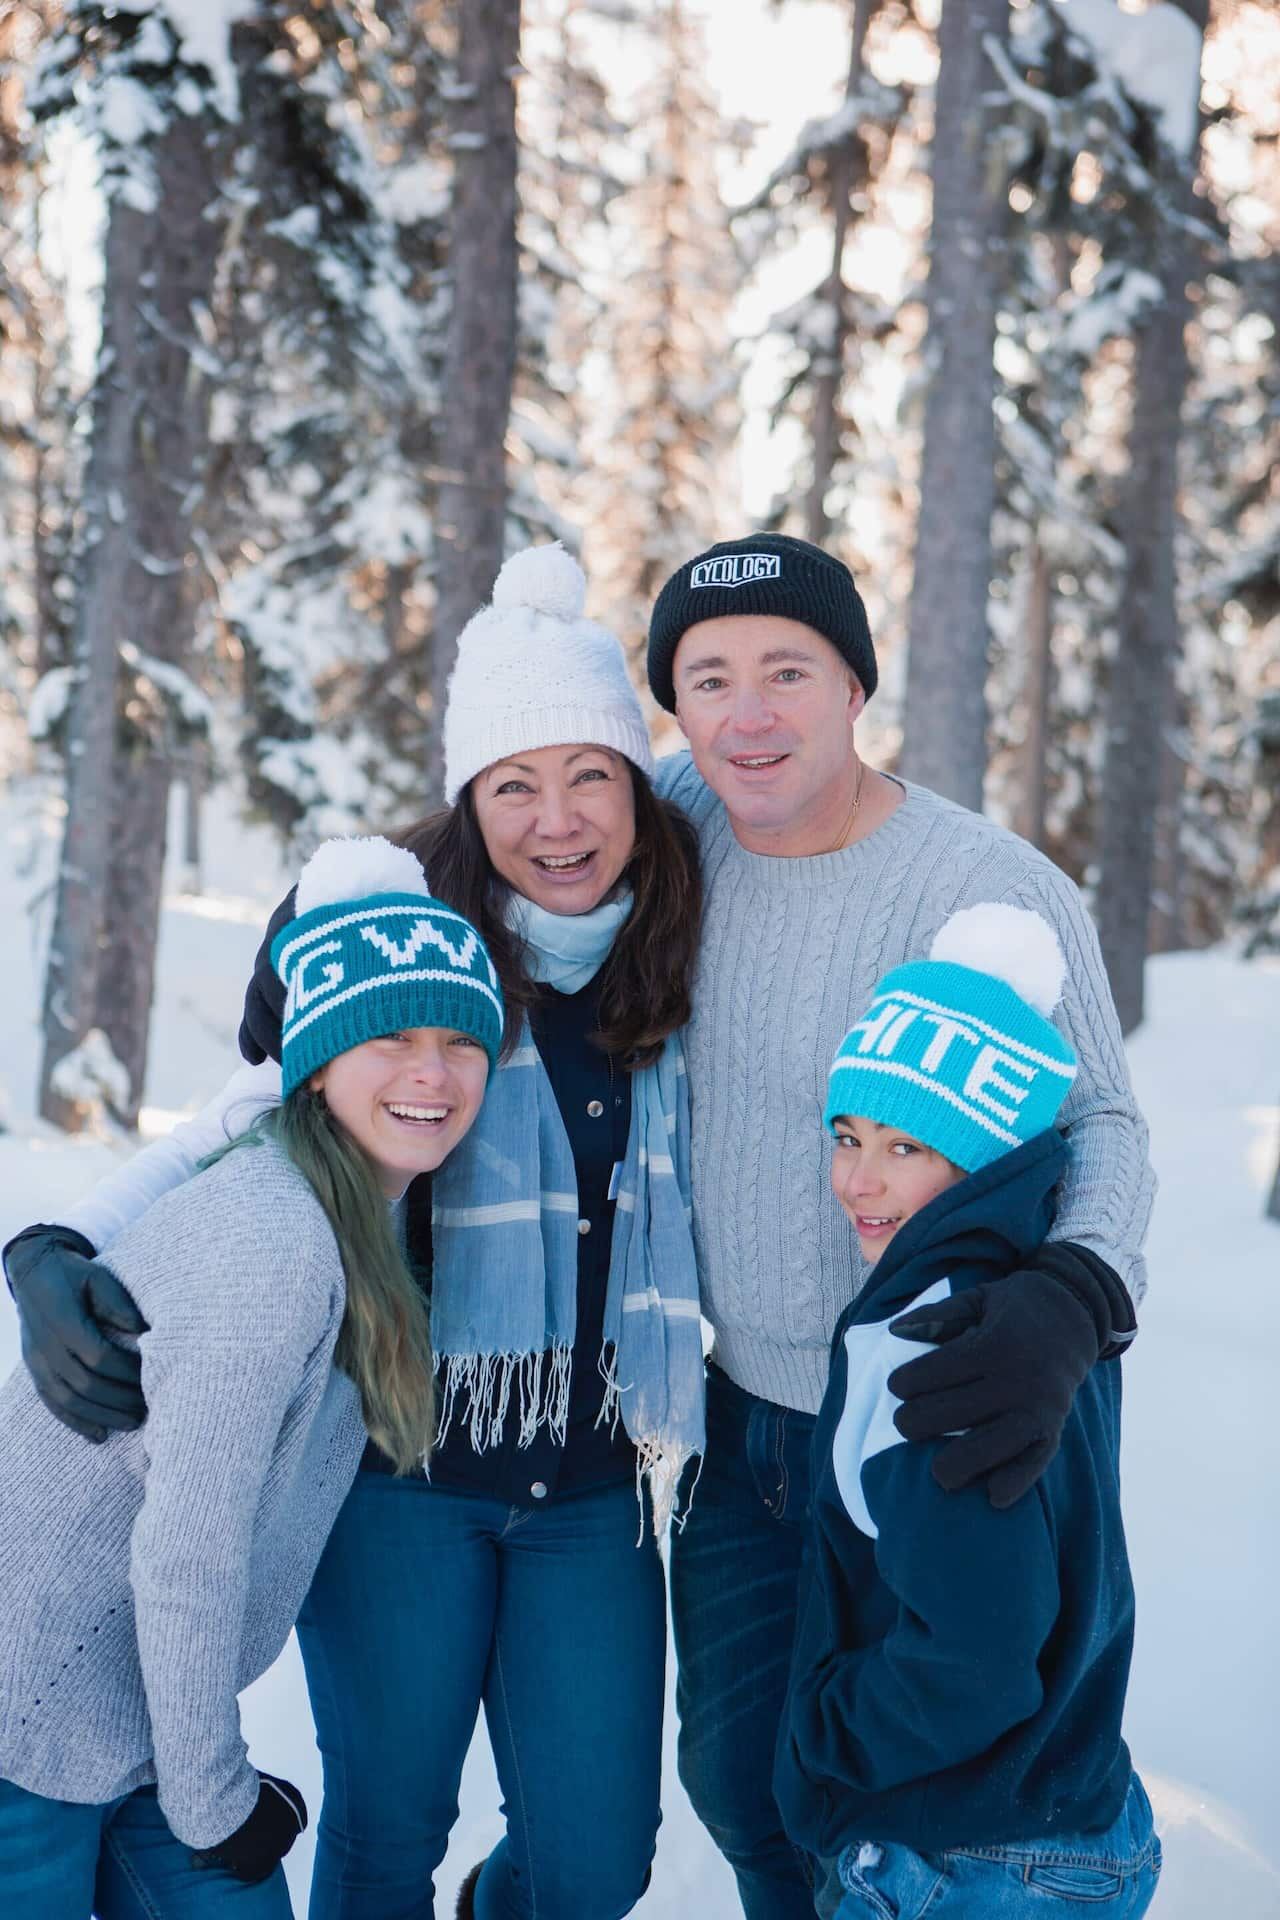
x: 66, y: 1301
x: 264, y: 995
x: 261, y: 1842
x: 1009, y: 1360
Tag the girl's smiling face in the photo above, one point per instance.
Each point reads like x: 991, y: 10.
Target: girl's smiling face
x: 881, y: 1176
x: 407, y: 1098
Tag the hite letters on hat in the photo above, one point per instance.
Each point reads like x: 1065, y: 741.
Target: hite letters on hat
x: 731, y: 569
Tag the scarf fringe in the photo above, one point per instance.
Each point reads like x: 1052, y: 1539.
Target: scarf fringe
x: 611, y: 1406
x: 477, y: 1390
x: 662, y: 1466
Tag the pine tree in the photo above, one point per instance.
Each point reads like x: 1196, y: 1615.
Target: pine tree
x: 481, y: 347
x: 331, y: 310
x: 37, y: 387
x: 846, y: 344
x: 160, y: 122
x: 662, y: 483
x: 944, y: 743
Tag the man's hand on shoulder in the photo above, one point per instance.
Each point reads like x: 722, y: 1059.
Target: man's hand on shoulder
x: 1007, y: 1360
x: 68, y: 1306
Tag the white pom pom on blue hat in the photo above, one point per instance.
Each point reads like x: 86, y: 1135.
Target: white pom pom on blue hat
x: 532, y: 671
x: 353, y: 869
x: 1012, y: 944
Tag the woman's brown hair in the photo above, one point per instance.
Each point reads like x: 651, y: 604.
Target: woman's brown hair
x: 645, y: 990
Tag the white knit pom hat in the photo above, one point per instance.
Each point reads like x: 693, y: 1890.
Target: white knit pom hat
x: 532, y: 672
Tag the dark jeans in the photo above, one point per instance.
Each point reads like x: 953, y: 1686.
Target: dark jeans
x: 428, y: 1602
x: 734, y: 1576
x: 60, y: 1860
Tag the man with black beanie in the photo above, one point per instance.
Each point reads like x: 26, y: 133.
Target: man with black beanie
x: 820, y: 873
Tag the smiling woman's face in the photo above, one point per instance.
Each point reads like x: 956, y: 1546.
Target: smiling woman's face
x: 559, y: 823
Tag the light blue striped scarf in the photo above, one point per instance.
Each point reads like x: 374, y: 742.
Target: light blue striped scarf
x: 505, y: 1243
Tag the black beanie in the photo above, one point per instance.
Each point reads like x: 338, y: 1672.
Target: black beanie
x: 765, y: 573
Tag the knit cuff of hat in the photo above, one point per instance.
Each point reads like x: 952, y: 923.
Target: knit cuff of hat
x: 765, y: 573
x: 955, y: 1059
x: 358, y: 970
x: 502, y: 735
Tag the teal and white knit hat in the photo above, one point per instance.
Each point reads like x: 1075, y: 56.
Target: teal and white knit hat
x: 958, y: 1050
x: 372, y: 952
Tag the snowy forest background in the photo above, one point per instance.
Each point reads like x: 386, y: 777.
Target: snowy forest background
x: 309, y: 312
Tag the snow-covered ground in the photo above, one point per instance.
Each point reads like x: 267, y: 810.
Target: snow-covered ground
x: 1202, y: 1445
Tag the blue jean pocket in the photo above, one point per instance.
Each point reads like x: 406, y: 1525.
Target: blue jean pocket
x: 1074, y: 1883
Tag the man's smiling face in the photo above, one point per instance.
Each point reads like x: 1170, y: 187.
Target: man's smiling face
x: 767, y: 706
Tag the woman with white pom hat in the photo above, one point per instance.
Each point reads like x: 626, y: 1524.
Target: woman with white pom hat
x: 952, y: 1731
x: 564, y: 1315
x: 144, y: 1583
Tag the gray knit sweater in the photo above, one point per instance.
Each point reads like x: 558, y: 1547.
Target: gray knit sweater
x: 791, y: 952
x: 145, y: 1581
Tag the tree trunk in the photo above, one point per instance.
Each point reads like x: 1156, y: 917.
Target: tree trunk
x: 1166, y: 928
x: 195, y: 781
x: 843, y: 166
x: 1141, y: 681
x: 1037, y: 694
x: 75, y: 949
x: 944, y: 742
x: 139, y: 587
x: 1273, y: 1203
x: 481, y: 348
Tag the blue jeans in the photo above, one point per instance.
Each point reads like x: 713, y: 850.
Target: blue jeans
x: 428, y: 1602
x: 1090, y: 1875
x: 735, y: 1570
x: 63, y: 1861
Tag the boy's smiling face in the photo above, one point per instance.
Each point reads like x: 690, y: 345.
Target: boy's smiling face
x: 881, y: 1176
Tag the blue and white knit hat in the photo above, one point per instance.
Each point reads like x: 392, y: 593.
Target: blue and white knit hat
x: 958, y: 1050
x: 372, y: 952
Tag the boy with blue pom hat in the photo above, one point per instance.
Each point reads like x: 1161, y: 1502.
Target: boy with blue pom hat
x: 951, y: 1741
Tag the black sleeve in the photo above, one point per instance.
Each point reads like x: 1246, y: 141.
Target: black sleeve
x: 264, y: 995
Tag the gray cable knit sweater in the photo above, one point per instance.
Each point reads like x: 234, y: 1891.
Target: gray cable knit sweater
x: 791, y: 952
x: 145, y: 1581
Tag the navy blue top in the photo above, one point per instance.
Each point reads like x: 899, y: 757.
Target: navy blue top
x: 594, y: 1097
x: 959, y: 1673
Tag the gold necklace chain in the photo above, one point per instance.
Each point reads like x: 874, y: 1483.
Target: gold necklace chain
x: 847, y: 829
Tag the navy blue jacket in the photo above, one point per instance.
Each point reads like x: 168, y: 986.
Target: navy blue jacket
x: 594, y: 1097
x: 959, y: 1673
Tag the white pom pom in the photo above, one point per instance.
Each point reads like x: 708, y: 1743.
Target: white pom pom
x: 1012, y: 943
x: 352, y: 869
x: 545, y: 578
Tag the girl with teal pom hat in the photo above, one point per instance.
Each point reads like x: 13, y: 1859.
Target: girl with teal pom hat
x: 952, y: 1732
x: 145, y: 1582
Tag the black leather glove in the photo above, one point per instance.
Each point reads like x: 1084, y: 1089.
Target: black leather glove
x: 1009, y: 1357
x: 261, y: 1842
x: 264, y: 995
x: 67, y: 1303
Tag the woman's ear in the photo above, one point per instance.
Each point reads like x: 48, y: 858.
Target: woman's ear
x: 316, y: 1083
